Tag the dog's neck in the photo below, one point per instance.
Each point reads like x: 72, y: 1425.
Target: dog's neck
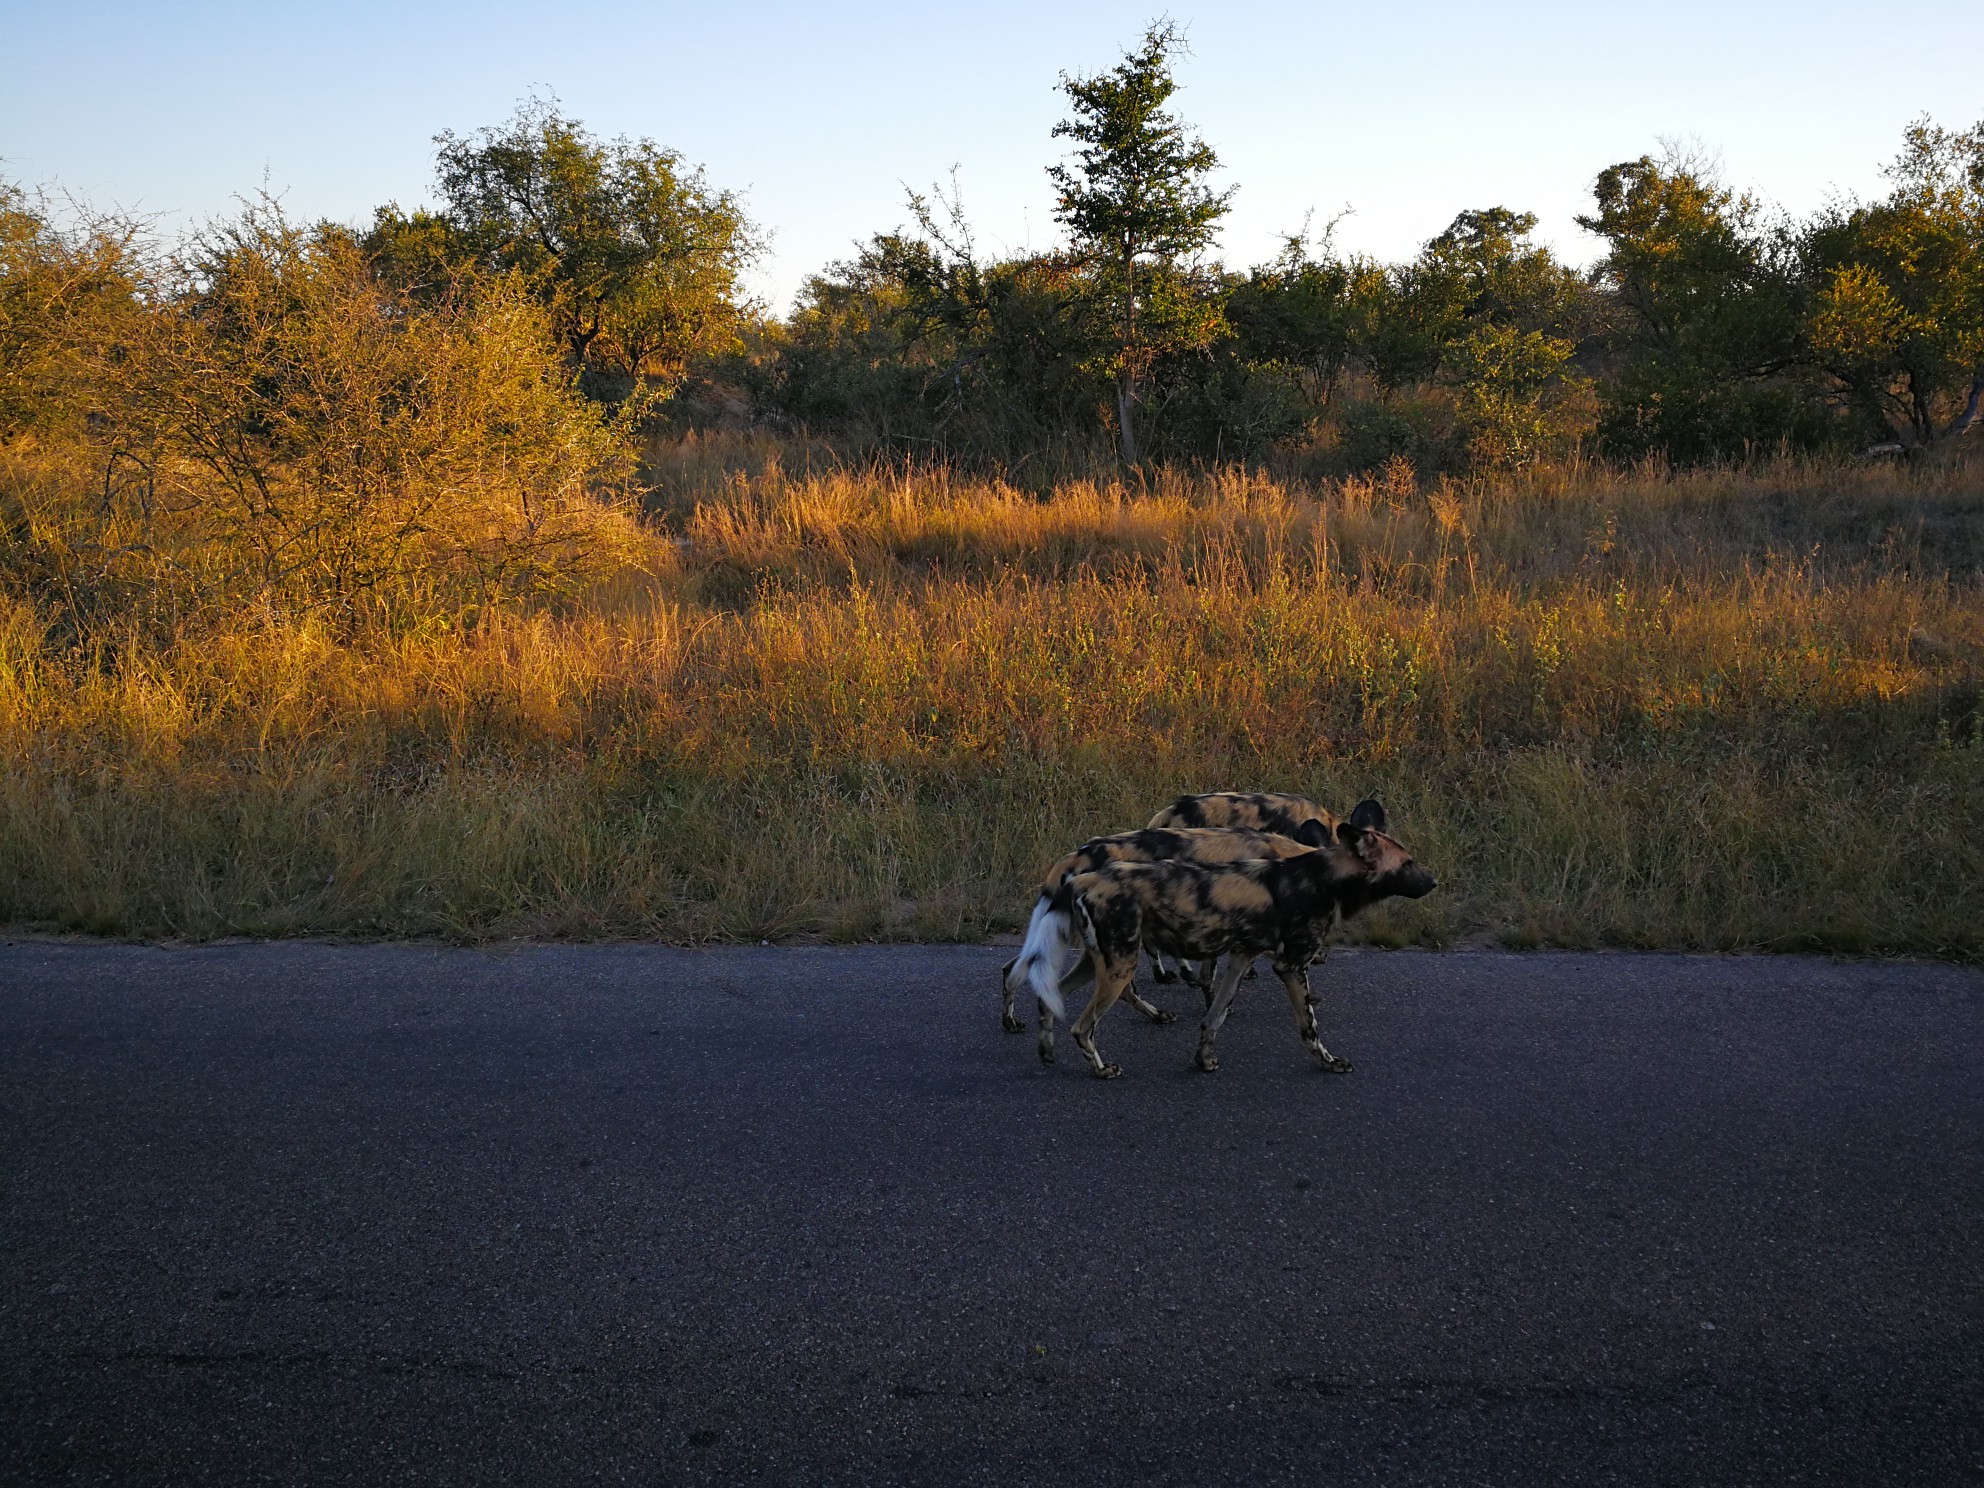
x: 1353, y: 883
x: 1331, y: 879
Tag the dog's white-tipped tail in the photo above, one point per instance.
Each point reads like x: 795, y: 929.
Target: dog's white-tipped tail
x: 1052, y: 946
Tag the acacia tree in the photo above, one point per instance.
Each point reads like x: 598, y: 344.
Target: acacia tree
x: 66, y: 300
x: 634, y: 255
x: 1299, y: 312
x: 1139, y: 212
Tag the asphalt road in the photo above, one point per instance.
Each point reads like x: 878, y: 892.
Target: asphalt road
x: 392, y: 1214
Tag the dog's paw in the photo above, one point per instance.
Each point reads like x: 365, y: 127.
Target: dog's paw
x: 1208, y: 1061
x: 1046, y: 1053
x: 1161, y: 1016
x: 1109, y: 1072
x: 1333, y: 1065
x: 1163, y: 974
x: 1011, y: 1024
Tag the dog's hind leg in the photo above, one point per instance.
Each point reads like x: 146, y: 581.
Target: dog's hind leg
x: 1149, y: 1009
x: 1110, y: 980
x: 1007, y: 1020
x: 1008, y: 1012
x: 1222, y: 999
x: 1079, y: 976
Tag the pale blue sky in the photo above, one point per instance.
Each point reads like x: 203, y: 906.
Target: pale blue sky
x: 819, y: 114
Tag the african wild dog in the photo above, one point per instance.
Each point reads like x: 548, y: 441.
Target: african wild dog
x: 1284, y: 906
x: 1255, y: 811
x: 1151, y: 845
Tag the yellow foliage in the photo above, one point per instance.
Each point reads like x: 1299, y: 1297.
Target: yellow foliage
x: 1858, y: 318
x: 278, y: 428
x: 1633, y: 709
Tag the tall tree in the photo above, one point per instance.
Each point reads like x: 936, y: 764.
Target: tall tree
x: 1139, y: 213
x: 1707, y: 328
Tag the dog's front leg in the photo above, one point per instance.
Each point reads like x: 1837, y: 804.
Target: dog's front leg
x: 1202, y: 974
x: 1296, y: 980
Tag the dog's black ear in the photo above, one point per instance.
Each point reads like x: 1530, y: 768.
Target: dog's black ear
x: 1348, y: 832
x: 1313, y: 833
x: 1368, y: 815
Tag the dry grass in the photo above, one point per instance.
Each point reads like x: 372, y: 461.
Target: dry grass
x: 1719, y: 710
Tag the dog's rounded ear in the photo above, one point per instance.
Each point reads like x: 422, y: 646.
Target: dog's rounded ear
x: 1369, y: 815
x: 1348, y: 832
x: 1313, y: 833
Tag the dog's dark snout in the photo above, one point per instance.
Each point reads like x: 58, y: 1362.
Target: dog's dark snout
x: 1418, y: 883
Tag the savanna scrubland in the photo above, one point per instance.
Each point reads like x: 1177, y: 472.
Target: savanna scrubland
x: 498, y: 569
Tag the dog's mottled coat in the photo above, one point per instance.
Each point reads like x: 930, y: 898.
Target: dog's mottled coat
x: 1253, y: 811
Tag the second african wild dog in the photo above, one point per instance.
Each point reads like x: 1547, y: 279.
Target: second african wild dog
x: 1255, y: 811
x: 1284, y: 906
x: 1151, y: 845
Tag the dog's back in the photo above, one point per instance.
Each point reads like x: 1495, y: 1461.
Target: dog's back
x: 1255, y: 811
x: 1180, y: 844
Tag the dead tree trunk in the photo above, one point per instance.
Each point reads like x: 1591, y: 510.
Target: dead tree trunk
x: 1966, y: 419
x: 1126, y: 424
x: 1962, y: 424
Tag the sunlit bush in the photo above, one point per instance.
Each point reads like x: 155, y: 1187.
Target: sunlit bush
x: 259, y: 420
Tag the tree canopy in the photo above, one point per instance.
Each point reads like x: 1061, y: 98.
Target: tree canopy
x: 634, y: 255
x: 1898, y: 291
x: 1711, y: 328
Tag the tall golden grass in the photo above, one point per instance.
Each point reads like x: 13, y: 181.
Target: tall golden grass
x: 1722, y: 710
